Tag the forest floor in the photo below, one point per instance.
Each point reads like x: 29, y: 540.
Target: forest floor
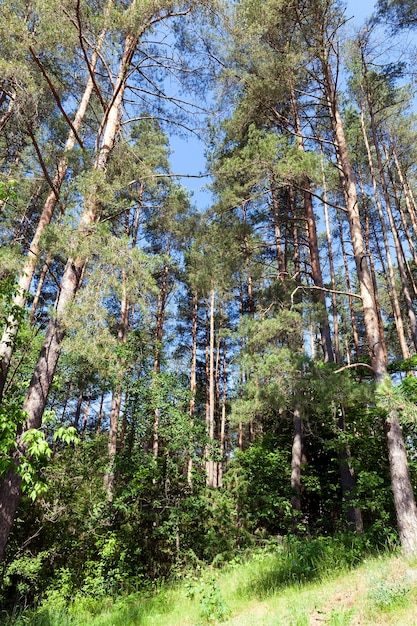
x: 379, y: 591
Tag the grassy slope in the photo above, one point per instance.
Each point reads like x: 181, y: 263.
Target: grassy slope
x: 379, y: 591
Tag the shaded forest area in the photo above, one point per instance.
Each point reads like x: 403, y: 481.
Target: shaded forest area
x: 179, y: 383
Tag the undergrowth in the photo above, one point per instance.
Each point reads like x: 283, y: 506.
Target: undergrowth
x: 207, y: 595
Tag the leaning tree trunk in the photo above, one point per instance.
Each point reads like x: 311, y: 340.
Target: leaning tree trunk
x: 26, y: 275
x: 42, y: 378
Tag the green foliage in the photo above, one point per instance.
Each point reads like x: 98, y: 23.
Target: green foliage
x: 341, y: 617
x: 212, y: 607
x: 8, y: 289
x: 11, y: 417
x: 389, y: 595
x: 395, y: 398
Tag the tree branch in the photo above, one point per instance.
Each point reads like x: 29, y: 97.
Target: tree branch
x: 42, y: 163
x: 347, y: 367
x: 56, y: 95
x: 341, y: 293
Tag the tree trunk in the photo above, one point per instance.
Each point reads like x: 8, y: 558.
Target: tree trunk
x: 12, y: 325
x: 396, y: 309
x: 193, y: 381
x: 222, y: 442
x: 210, y: 416
x: 45, y: 368
x: 159, y: 333
x: 277, y: 230
x: 313, y: 245
x: 331, y: 267
x: 400, y: 481
x: 116, y: 402
x: 348, y: 480
x: 297, y: 460
x: 355, y: 334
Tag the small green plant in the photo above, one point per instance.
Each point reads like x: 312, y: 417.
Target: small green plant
x: 212, y: 607
x: 388, y: 595
x: 341, y: 617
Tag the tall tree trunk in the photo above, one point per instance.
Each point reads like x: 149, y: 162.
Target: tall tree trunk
x: 26, y: 275
x: 409, y: 199
x: 372, y: 267
x: 159, y: 334
x: 211, y: 405
x: 39, y: 287
x: 400, y: 480
x: 313, y: 245
x: 348, y: 480
x: 42, y: 378
x: 355, y: 334
x: 396, y: 309
x: 277, y: 229
x: 331, y: 267
x: 222, y: 433
x: 193, y: 381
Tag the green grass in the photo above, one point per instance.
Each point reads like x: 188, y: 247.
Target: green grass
x: 310, y: 583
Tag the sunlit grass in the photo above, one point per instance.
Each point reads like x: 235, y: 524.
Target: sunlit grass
x: 299, y: 585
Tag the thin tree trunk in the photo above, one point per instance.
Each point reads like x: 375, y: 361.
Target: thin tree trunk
x: 355, y: 334
x: 277, y: 230
x: 396, y: 309
x: 313, y: 245
x: 86, y: 413
x: 5, y: 117
x: 405, y: 289
x: 400, y: 480
x: 409, y: 199
x: 348, y: 480
x: 331, y: 267
x: 372, y: 269
x: 39, y: 288
x: 159, y: 333
x: 100, y: 414
x: 222, y: 443
x: 210, y: 417
x: 193, y: 382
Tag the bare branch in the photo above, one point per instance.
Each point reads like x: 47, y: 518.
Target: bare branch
x: 347, y: 367
x: 56, y: 95
x: 41, y: 162
x: 341, y: 293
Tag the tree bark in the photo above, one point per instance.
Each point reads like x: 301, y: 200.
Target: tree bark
x: 400, y: 481
x: 210, y: 416
x: 193, y: 381
x: 396, y: 309
x: 313, y: 245
x: 297, y: 460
